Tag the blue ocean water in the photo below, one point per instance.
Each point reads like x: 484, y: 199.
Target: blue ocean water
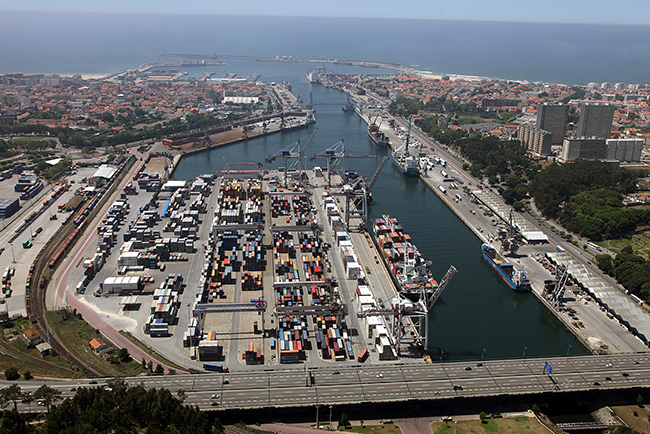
x: 103, y: 43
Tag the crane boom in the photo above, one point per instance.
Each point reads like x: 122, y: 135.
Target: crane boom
x: 441, y: 287
x: 376, y: 175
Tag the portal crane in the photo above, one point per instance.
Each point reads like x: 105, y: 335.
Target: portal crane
x: 333, y: 157
x: 402, y: 307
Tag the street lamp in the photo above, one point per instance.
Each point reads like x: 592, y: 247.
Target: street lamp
x: 441, y: 354
x: 455, y: 425
x: 482, y: 354
x: 568, y: 349
x: 12, y: 253
x: 330, y: 417
x: 523, y: 356
x: 189, y: 315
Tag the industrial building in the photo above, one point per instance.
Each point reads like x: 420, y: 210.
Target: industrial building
x: 595, y: 120
x: 554, y: 119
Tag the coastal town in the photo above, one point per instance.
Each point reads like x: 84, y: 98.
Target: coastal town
x: 81, y: 104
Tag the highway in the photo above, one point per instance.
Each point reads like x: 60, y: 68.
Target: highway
x: 395, y: 382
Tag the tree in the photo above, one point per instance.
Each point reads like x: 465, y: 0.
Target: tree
x: 639, y: 400
x: 27, y: 375
x: 11, y: 374
x: 483, y: 417
x: 159, y: 369
x: 150, y: 366
x: 13, y: 423
x: 9, y: 394
x: 48, y: 395
x: 182, y: 395
x: 344, y: 421
x: 144, y: 363
x: 123, y: 355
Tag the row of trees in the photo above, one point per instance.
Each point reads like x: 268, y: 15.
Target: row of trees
x: 116, y: 408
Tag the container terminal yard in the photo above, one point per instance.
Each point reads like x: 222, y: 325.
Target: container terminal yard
x: 255, y: 270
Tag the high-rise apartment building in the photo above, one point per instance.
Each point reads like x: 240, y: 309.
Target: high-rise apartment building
x: 624, y: 149
x: 595, y: 120
x: 535, y: 140
x: 553, y: 118
x: 583, y: 148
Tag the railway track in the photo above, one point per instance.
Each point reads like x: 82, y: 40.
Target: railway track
x: 41, y: 272
x: 40, y: 276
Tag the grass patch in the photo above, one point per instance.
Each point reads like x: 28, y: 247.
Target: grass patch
x: 515, y: 425
x: 28, y: 358
x: 639, y: 242
x: 384, y: 429
x: 77, y: 334
x: 490, y: 425
x: 640, y: 422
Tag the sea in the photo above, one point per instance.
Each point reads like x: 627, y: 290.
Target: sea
x: 477, y: 316
x: 69, y: 43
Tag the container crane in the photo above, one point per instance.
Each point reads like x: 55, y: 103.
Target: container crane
x: 418, y: 311
x: 293, y: 152
x: 333, y: 157
x: 359, y: 192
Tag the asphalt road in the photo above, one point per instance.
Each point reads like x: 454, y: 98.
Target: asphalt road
x: 391, y: 382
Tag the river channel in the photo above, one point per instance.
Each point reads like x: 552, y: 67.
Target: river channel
x: 477, y: 315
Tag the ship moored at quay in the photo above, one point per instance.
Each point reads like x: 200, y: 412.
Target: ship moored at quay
x: 377, y: 136
x: 405, y: 263
x: 516, y: 279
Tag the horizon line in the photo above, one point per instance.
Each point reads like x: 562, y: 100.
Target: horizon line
x: 189, y: 14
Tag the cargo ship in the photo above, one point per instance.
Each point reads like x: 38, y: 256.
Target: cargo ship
x: 516, y: 279
x: 313, y: 77
x: 377, y: 137
x: 407, y: 163
x: 409, y: 270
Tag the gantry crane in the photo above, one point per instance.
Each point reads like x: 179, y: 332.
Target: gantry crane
x: 293, y: 152
x: 418, y: 311
x: 333, y: 157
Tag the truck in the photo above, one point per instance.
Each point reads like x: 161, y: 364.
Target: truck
x: 217, y: 367
x: 363, y: 355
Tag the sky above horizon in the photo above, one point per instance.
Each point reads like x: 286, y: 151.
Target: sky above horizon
x: 635, y: 12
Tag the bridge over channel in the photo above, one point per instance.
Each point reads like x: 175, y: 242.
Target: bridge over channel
x: 306, y: 385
